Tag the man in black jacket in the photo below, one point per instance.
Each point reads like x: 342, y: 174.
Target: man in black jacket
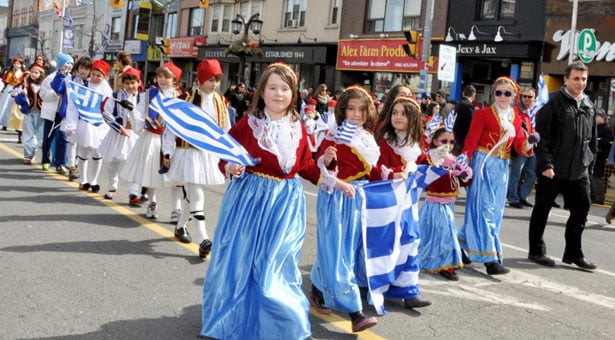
x: 564, y: 158
x: 464, y: 110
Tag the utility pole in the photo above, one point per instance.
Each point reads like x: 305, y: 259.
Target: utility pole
x: 426, y: 46
x: 573, y: 30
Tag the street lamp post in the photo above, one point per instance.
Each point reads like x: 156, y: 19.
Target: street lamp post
x: 254, y: 24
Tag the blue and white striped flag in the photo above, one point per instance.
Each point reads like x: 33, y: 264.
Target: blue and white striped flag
x: 542, y: 97
x: 87, y: 101
x: 345, y: 132
x: 463, y: 160
x: 391, y: 235
x: 196, y: 127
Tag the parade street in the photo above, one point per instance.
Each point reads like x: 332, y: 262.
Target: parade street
x: 76, y: 266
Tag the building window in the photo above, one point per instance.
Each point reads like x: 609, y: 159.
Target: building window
x: 170, y: 29
x: 527, y: 71
x: 335, y: 8
x: 197, y: 19
x: 116, y: 26
x: 215, y: 18
x: 394, y: 16
x: 79, y: 36
x: 294, y: 15
x: 497, y: 9
x: 226, y: 18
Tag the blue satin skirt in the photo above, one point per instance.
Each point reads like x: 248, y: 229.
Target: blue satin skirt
x: 439, y: 248
x: 479, y: 233
x: 253, y: 286
x: 339, y: 246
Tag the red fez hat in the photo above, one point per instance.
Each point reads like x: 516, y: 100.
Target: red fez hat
x: 312, y: 101
x: 332, y: 102
x: 131, y: 71
x: 208, y: 68
x: 177, y: 72
x: 101, y: 66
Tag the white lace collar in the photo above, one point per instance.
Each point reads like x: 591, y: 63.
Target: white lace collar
x: 409, y: 152
x: 366, y: 145
x: 280, y: 137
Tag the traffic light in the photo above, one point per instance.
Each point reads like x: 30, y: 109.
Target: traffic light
x: 165, y: 46
x: 117, y: 4
x: 203, y: 3
x: 412, y: 39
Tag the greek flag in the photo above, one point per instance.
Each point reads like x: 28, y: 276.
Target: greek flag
x: 87, y: 101
x: 391, y: 235
x: 542, y: 97
x: 449, y: 122
x: 196, y: 127
x: 345, y: 132
x: 463, y: 160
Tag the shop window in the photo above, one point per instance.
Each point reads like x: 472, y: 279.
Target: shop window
x: 383, y: 81
x: 497, y: 9
x: 394, y: 16
x: 526, y: 71
x: 294, y: 15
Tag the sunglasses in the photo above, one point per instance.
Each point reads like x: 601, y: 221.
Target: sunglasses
x: 527, y: 97
x: 444, y: 141
x: 499, y: 93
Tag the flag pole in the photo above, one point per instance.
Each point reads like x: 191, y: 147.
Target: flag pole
x: 62, y: 26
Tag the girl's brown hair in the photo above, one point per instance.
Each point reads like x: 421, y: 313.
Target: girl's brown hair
x: 413, y: 132
x: 356, y: 92
x: 288, y: 76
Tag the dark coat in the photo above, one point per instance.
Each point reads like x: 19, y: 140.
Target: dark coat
x: 568, y: 136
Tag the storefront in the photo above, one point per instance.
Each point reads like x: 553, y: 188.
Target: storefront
x: 601, y: 83
x: 479, y: 63
x: 184, y: 52
x: 309, y: 62
x: 379, y: 64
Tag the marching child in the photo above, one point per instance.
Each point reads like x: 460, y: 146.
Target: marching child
x: 439, y: 250
x: 82, y: 77
x: 119, y: 142
x: 143, y: 163
x: 87, y: 134
x: 192, y: 167
x: 30, y: 103
x: 351, y: 154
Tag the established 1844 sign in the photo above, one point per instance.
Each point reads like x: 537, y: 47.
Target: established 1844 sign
x: 447, y: 56
x: 587, y: 45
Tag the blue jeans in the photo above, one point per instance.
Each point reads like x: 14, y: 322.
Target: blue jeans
x: 519, y: 165
x: 53, y: 136
x: 32, y: 133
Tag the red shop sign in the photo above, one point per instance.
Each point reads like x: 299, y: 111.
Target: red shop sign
x: 378, y: 55
x: 186, y: 47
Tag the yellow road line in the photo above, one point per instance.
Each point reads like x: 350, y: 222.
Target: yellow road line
x: 332, y: 319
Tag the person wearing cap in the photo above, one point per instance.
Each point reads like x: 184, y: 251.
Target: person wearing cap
x: 81, y: 77
x: 441, y: 98
x: 31, y: 108
x: 53, y: 111
x: 120, y: 140
x: 11, y: 79
x: 143, y: 163
x: 192, y: 167
x: 425, y: 100
x: 88, y: 135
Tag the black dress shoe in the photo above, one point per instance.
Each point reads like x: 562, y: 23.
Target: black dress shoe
x: 182, y: 235
x: 205, y: 248
x: 581, y: 263
x: 517, y: 205
x: 526, y: 203
x: 542, y: 260
x: 495, y: 268
x: 464, y: 257
x: 416, y: 302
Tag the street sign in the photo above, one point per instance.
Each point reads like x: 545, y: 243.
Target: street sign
x: 587, y: 45
x: 447, y: 56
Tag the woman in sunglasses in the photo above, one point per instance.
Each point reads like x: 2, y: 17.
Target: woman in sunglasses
x: 493, y: 132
